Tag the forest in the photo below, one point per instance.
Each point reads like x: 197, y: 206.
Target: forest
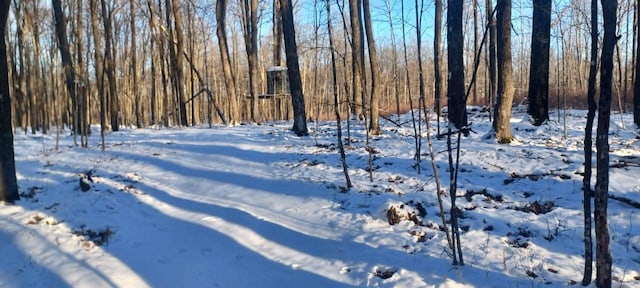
x: 89, y: 67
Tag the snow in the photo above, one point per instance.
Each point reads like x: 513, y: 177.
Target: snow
x: 256, y: 206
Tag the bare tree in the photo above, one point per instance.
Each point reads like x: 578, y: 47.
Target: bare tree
x: 539, y: 72
x: 501, y: 121
x: 336, y: 111
x: 8, y: 181
x: 394, y: 62
x: 67, y: 62
x: 636, y: 82
x: 357, y: 57
x: 154, y: 61
x: 178, y: 65
x: 250, y: 12
x: 374, y: 105
x: 293, y: 69
x: 110, y: 65
x: 588, y: 143
x: 227, y: 73
x: 455, y: 89
x: 493, y: 81
x: 82, y: 83
x: 437, y: 49
x: 457, y: 114
x: 603, y: 252
x: 137, y: 106
x: 20, y: 68
x: 277, y: 34
x: 475, y: 49
x: 99, y: 67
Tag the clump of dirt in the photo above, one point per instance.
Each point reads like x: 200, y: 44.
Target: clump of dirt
x: 537, y: 207
x: 519, y: 239
x: 517, y: 243
x: 31, y: 192
x: 489, y: 197
x: 95, y: 237
x: 384, y: 272
x: 38, y: 219
x: 410, y: 211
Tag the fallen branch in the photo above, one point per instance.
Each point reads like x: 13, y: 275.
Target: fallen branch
x: 624, y: 200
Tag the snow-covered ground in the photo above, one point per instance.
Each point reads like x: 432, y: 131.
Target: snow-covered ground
x: 255, y: 206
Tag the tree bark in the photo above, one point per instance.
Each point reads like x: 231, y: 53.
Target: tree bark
x: 539, y: 66
x: 134, y: 67
x: 336, y: 110
x: 250, y: 11
x: 110, y: 67
x: 437, y: 50
x: 455, y: 89
x: 8, y: 181
x: 636, y: 82
x: 229, y: 79
x: 67, y: 62
x: 293, y: 69
x: 374, y: 98
x: 475, y: 49
x: 588, y: 151
x: 277, y: 34
x: 493, y: 80
x: 501, y: 124
x: 154, y: 38
x: 83, y: 96
x: 26, y: 111
x: 99, y: 69
x: 603, y: 252
x: 178, y: 67
x: 357, y: 57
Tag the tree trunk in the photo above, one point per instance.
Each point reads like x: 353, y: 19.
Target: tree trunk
x: 501, y: 124
x: 134, y: 68
x: 250, y: 11
x: 165, y: 61
x: 336, y: 110
x: 588, y: 151
x: 437, y: 48
x: 67, y: 62
x: 178, y: 67
x: 277, y: 34
x: 8, y: 181
x: 38, y: 86
x: 475, y: 49
x: 636, y: 82
x: 154, y: 38
x: 83, y: 105
x: 229, y: 79
x: 374, y: 105
x: 455, y: 88
x: 99, y: 67
x: 357, y: 57
x: 603, y: 252
x: 493, y: 80
x: 539, y: 68
x: 293, y: 69
x: 24, y: 97
x: 114, y: 106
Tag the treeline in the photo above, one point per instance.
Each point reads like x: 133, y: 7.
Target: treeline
x: 142, y: 63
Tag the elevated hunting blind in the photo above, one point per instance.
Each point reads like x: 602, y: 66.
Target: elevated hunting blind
x: 277, y: 81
